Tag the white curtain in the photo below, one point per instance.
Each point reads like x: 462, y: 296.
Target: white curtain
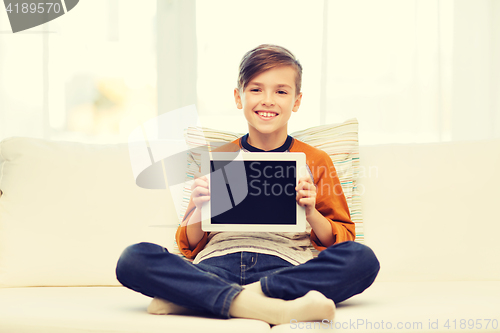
x: 415, y: 71
x: 89, y: 75
x: 22, y: 93
x: 409, y: 70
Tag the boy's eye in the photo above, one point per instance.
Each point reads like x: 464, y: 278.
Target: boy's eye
x: 282, y: 92
x: 255, y: 90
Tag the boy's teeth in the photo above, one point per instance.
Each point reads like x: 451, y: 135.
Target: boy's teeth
x: 266, y: 114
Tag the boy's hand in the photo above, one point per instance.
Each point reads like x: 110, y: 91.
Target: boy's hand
x: 306, y: 194
x: 200, y: 192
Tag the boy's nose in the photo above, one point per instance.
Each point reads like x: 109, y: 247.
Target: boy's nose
x: 268, y: 100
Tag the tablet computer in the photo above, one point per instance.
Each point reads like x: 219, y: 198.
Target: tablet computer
x: 253, y: 191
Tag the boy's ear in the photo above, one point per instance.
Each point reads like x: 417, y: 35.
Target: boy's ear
x: 237, y: 98
x: 296, y: 105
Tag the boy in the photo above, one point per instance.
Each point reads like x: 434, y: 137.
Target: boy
x: 268, y: 276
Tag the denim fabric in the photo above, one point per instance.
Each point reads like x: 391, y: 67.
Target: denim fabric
x: 339, y: 272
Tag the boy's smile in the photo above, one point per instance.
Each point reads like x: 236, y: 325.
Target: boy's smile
x: 267, y: 102
x: 266, y: 115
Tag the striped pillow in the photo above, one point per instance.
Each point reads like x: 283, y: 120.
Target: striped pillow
x: 339, y: 141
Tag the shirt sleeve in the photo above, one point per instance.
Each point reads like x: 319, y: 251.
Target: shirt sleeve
x: 181, y: 235
x: 331, y: 202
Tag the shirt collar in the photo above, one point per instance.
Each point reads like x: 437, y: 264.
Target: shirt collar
x: 284, y: 147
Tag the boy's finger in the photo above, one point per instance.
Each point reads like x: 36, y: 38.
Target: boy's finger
x: 308, y: 186
x: 307, y: 194
x: 305, y: 201
x: 200, y: 175
x: 306, y: 179
x: 199, y: 183
x: 300, y: 186
x: 200, y: 191
x: 305, y: 186
x: 202, y: 199
x: 199, y: 201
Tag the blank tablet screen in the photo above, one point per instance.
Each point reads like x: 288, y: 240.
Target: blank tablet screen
x: 266, y: 196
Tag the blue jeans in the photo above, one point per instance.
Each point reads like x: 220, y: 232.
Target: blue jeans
x: 338, y: 272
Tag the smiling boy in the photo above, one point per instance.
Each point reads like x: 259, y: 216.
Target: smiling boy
x: 268, y: 101
x: 267, y: 276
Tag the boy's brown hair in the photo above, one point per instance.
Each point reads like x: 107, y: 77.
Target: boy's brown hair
x: 263, y: 58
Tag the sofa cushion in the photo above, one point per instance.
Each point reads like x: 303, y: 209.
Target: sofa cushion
x: 414, y: 306
x: 116, y: 309
x: 69, y: 209
x: 430, y: 210
x: 101, y: 310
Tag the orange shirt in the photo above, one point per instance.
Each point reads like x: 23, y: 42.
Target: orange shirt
x: 330, y: 199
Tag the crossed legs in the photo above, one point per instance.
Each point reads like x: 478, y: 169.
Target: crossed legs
x: 305, y: 292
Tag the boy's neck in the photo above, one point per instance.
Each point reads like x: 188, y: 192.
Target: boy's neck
x: 266, y: 142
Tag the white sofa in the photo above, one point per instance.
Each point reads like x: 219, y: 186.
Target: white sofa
x: 68, y: 210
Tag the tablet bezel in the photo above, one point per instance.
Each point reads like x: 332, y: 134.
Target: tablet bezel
x: 298, y: 157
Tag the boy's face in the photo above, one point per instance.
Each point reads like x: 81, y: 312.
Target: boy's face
x: 268, y: 101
